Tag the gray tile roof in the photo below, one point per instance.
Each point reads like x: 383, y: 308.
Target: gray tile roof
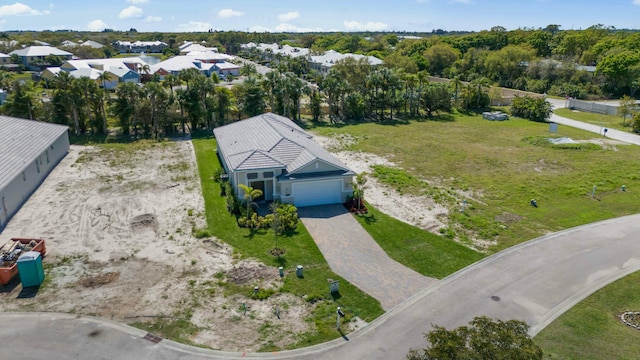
x: 270, y: 141
x: 21, y: 142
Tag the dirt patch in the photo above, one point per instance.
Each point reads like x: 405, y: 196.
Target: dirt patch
x: 250, y: 272
x: 144, y: 222
x: 420, y: 211
x: 119, y: 226
x: 99, y: 280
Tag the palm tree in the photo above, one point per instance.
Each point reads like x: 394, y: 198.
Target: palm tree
x: 456, y: 83
x: 189, y: 74
x: 124, y: 107
x: 249, y: 194
x: 68, y: 94
x: 145, y: 70
x: 154, y: 93
x: 104, y: 77
x: 480, y: 83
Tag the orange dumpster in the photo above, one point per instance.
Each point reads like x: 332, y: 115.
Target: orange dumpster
x: 8, y: 266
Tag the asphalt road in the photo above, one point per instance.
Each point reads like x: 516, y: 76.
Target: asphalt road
x: 611, y: 133
x: 535, y: 282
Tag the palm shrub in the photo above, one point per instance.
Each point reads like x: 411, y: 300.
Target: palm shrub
x: 534, y: 109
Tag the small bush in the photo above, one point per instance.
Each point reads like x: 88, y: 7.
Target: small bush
x: 201, y: 233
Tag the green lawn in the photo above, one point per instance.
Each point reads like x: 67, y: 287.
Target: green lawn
x: 498, y: 167
x: 592, y: 329
x: 300, y: 249
x: 608, y: 121
x: 427, y: 253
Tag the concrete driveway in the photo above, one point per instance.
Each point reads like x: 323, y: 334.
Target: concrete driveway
x: 535, y: 281
x: 354, y: 255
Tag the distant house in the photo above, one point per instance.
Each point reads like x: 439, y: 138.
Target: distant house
x: 210, y: 57
x: 271, y: 153
x: 188, y: 47
x: 34, y: 57
x: 118, y: 70
x: 140, y: 46
x: 226, y: 68
x: 179, y: 63
x: 323, y: 63
x: 270, y: 51
x: 89, y: 43
x: 4, y: 59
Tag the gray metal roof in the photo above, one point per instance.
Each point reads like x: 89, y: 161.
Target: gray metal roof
x: 21, y: 142
x: 270, y: 141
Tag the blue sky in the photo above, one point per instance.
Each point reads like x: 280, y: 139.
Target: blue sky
x: 324, y: 15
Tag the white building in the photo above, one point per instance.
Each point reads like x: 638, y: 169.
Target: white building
x: 29, y: 150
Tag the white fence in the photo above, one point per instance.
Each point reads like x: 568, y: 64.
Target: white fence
x: 592, y: 107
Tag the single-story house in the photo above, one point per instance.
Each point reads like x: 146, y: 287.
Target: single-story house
x: 30, y: 150
x: 323, y: 63
x: 184, y: 50
x: 179, y: 63
x: 116, y: 75
x: 271, y: 153
x: 227, y: 68
x: 34, y: 56
x: 140, y: 46
x: 210, y: 57
x: 5, y: 59
x: 89, y: 43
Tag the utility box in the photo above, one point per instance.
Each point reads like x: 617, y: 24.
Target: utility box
x: 30, y: 269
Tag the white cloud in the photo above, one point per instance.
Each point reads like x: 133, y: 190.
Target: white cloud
x: 194, y: 26
x: 96, y: 25
x: 284, y: 27
x: 138, y: 2
x: 291, y: 15
x: 153, y: 18
x: 131, y: 12
x: 228, y: 13
x: 636, y: 2
x: 19, y: 9
x: 464, y: 1
x: 368, y: 26
x: 259, y: 29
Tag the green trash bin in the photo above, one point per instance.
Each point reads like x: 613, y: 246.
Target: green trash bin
x: 30, y: 269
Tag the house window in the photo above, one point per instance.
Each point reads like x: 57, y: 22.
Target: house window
x: 267, y: 174
x: 252, y: 176
x: 24, y: 176
x: 46, y: 153
x: 51, y: 146
x: 37, y: 166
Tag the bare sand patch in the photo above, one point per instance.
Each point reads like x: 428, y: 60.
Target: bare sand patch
x: 420, y: 211
x: 119, y: 228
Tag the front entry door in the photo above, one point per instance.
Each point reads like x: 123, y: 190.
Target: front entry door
x: 260, y: 186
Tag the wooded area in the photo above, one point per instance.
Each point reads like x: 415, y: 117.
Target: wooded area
x: 598, y: 62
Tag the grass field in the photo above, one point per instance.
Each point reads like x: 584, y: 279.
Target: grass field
x: 608, y: 121
x: 498, y: 167
x: 592, y: 330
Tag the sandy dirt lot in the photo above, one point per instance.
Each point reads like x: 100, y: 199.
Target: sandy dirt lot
x: 119, y: 227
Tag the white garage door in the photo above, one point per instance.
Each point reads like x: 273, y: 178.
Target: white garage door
x: 317, y: 192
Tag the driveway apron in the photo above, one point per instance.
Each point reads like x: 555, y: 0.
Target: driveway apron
x: 353, y: 254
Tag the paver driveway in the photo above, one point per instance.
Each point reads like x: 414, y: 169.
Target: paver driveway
x: 354, y: 255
